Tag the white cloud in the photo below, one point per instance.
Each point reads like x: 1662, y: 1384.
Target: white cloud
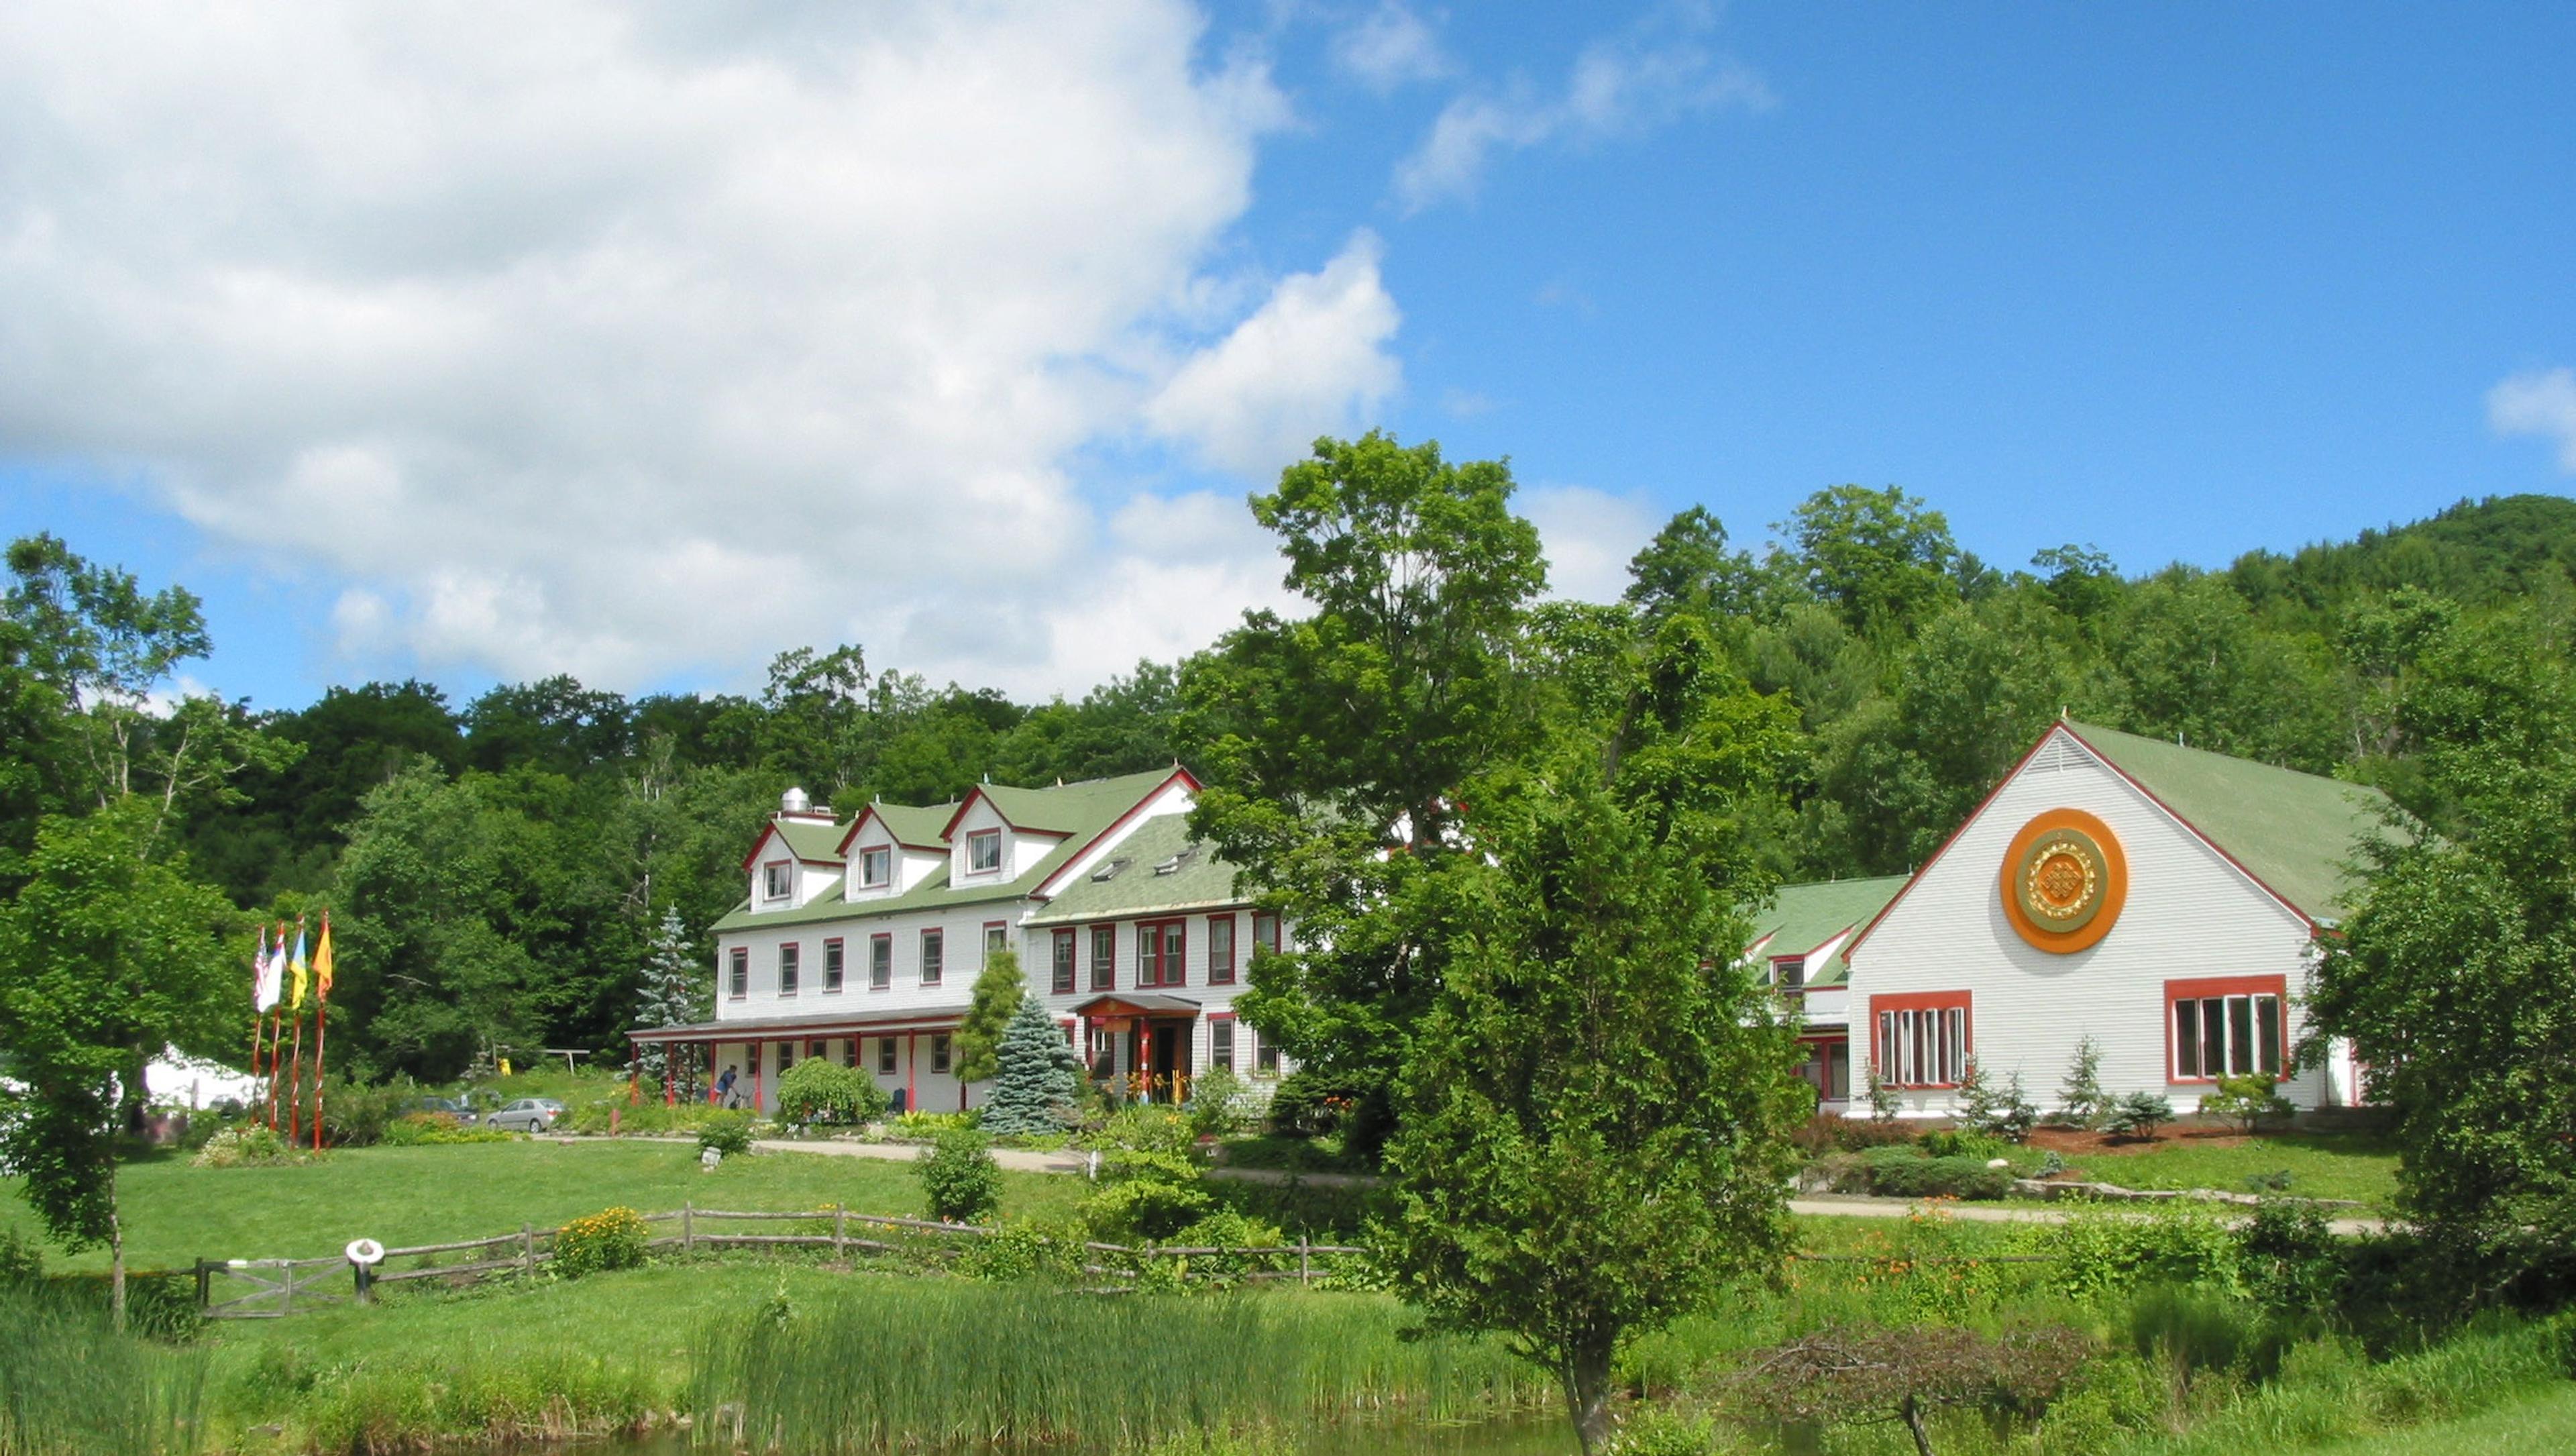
x: 2540, y: 402
x: 633, y: 340
x: 1590, y: 537
x: 1648, y: 77
x: 1389, y: 47
x: 1312, y: 360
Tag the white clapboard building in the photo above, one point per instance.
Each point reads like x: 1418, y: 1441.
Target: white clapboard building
x: 859, y: 938
x: 2166, y: 901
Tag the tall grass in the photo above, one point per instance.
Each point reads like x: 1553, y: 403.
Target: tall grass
x: 930, y: 1366
x: 71, y: 1386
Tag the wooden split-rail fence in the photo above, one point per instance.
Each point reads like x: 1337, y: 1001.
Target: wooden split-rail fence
x: 274, y: 1288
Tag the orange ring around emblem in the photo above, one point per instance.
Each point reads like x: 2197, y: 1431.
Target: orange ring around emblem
x: 2078, y: 879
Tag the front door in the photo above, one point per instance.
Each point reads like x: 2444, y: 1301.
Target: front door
x: 1171, y: 1064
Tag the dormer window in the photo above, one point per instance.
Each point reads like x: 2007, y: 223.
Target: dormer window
x: 984, y: 852
x: 876, y: 868
x: 1789, y: 973
x: 776, y: 880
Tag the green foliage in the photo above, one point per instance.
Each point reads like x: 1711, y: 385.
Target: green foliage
x: 248, y: 1145
x: 438, y: 1129
x: 675, y: 991
x: 2081, y: 1102
x: 2247, y: 1100
x: 927, y: 1126
x: 613, y: 1238
x: 1150, y: 1176
x: 1313, y: 1102
x: 1220, y: 1104
x: 2288, y: 1257
x: 69, y: 1384
x: 999, y: 992
x: 2139, y: 1115
x: 1327, y: 737
x: 821, y: 1090
x: 1038, y: 1081
x: 1884, y: 1100
x: 958, y: 1178
x: 356, y: 1114
x: 1905, y: 1173
x: 2003, y: 1113
x: 2096, y: 1256
x: 726, y: 1131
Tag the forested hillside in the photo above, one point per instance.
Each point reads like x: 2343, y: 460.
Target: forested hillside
x: 495, y: 867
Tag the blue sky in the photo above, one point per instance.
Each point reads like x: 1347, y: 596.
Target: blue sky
x: 570, y: 385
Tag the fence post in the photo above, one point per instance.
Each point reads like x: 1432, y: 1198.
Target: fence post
x: 286, y: 1298
x: 840, y: 1229
x: 688, y: 1228
x: 527, y: 1251
x: 204, y: 1285
x: 1301, y: 1261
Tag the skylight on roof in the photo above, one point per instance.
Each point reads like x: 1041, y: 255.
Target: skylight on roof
x: 1108, y: 871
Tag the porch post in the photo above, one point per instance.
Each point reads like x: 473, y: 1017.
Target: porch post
x: 911, y: 1061
x: 635, y: 1072
x: 759, y: 1054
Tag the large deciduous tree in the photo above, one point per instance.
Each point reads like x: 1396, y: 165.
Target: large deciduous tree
x: 107, y: 956
x: 1335, y: 744
x: 1595, y: 1108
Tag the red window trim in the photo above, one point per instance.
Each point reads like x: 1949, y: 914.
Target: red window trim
x: 2202, y: 988
x: 1069, y: 941
x: 884, y: 849
x: 921, y: 959
x: 766, y: 866
x: 1234, y: 1053
x: 1233, y: 949
x: 740, y: 956
x: 990, y: 926
x: 798, y: 947
x: 1091, y: 955
x: 832, y: 944
x: 1259, y: 942
x: 1170, y: 975
x: 882, y: 938
x: 1928, y: 1001
x: 994, y: 835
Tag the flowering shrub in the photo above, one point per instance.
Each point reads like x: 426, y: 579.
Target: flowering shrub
x: 612, y: 1238
x: 251, y: 1145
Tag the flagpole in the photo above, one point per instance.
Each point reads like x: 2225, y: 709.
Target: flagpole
x: 321, y: 1024
x: 275, y: 1040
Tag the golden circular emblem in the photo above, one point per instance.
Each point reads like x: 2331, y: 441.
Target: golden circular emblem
x: 2064, y: 880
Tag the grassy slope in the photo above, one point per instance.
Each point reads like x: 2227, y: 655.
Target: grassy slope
x: 2545, y: 1424
x: 175, y: 1213
x: 2321, y: 1165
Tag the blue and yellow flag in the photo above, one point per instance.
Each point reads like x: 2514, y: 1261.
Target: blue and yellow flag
x: 297, y: 967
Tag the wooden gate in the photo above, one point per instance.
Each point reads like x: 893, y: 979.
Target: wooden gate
x: 270, y: 1288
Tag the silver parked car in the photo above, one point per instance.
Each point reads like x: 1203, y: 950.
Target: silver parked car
x: 528, y: 1114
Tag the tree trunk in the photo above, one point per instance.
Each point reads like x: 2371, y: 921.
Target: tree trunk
x: 1585, y: 1374
x: 115, y: 1269
x: 137, y: 1096
x: 1912, y: 1410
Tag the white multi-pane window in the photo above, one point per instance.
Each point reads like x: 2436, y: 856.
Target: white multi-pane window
x: 880, y: 962
x: 777, y: 879
x: 832, y: 965
x: 876, y: 867
x: 934, y: 957
x: 1922, y: 1046
x: 788, y: 956
x: 2226, y: 1036
x: 738, y: 973
x: 983, y: 851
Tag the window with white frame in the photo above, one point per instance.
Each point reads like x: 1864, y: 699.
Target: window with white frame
x: 1104, y: 957
x: 939, y: 1049
x: 1789, y: 973
x: 1061, y: 966
x: 1265, y: 1057
x: 1220, y: 931
x: 997, y: 939
x: 1221, y: 1043
x: 1921, y: 1041
x: 934, y: 957
x: 984, y: 852
x: 777, y: 880
x: 2227, y: 1028
x: 876, y: 868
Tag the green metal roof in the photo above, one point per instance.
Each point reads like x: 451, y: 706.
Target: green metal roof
x: 915, y: 828
x: 1199, y: 879
x: 1081, y: 812
x: 2296, y: 832
x: 807, y: 840
x: 1803, y: 917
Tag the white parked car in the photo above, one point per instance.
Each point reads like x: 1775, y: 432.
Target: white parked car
x: 528, y: 1114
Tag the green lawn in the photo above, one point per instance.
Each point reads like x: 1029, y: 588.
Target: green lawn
x: 175, y: 1213
x: 2545, y: 1424
x: 2320, y: 1165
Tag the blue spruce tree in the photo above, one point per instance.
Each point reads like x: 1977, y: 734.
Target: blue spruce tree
x: 1039, y: 1079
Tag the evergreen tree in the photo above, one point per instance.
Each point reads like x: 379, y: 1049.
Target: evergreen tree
x: 999, y: 992
x: 1038, y: 1078
x: 2081, y: 1102
x: 675, y: 990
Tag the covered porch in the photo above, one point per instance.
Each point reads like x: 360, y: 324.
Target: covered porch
x: 1143, y: 1044
x: 737, y: 1063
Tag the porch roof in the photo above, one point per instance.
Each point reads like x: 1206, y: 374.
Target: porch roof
x: 825, y: 1024
x: 1137, y: 1003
